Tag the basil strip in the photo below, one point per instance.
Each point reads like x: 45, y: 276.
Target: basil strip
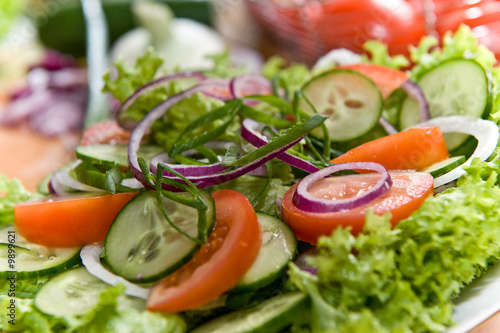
x: 288, y: 135
x: 226, y: 112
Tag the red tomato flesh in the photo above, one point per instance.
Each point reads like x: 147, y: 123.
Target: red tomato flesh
x: 408, y: 192
x: 415, y: 149
x: 220, y: 263
x: 69, y: 221
x: 387, y: 79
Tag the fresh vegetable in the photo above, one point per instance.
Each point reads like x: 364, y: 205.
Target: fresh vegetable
x: 229, y: 252
x: 148, y: 251
x: 34, y: 260
x: 408, y: 192
x: 343, y: 95
x: 271, y: 316
x: 421, y: 264
x: 455, y: 87
x: 69, y: 221
x: 414, y: 149
x: 279, y: 247
x: 387, y: 79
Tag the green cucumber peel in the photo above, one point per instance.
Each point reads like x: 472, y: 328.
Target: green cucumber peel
x: 291, y: 134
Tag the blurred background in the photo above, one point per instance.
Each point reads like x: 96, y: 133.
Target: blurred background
x: 50, y: 77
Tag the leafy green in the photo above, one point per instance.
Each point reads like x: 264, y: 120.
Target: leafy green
x: 12, y: 192
x: 379, y: 55
x: 290, y: 77
x: 404, y: 279
x: 9, y: 10
x: 108, y: 316
x: 462, y: 43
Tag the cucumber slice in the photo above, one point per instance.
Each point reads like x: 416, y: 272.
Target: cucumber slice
x: 75, y: 292
x: 270, y: 316
x: 455, y: 87
x: 279, y: 247
x: 445, y: 166
x: 142, y: 246
x: 111, y: 155
x: 32, y: 260
x: 352, y: 100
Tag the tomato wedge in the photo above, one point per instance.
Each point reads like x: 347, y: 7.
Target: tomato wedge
x: 107, y: 131
x: 220, y: 263
x: 415, y: 149
x: 387, y: 79
x: 408, y: 192
x: 68, y: 221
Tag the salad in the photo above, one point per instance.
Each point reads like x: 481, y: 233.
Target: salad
x: 359, y: 195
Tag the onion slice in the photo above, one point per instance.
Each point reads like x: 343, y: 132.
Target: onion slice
x: 185, y: 169
x: 142, y: 127
x: 61, y: 182
x: 414, y: 91
x: 250, y: 84
x: 250, y: 133
x: 148, y: 87
x: 485, y: 131
x: 303, y: 200
x: 90, y: 259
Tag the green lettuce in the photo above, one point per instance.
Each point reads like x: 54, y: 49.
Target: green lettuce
x: 9, y: 11
x: 110, y: 315
x: 12, y: 192
x: 404, y: 279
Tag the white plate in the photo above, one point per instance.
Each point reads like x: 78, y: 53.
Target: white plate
x: 477, y: 302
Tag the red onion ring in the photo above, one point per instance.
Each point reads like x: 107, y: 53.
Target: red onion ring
x: 249, y: 132
x: 414, y: 91
x: 303, y: 200
x: 250, y: 84
x: 148, y: 87
x: 140, y: 129
x: 185, y: 169
x: 387, y: 126
x: 219, y: 178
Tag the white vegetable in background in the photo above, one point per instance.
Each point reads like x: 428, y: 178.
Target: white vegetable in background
x: 184, y: 43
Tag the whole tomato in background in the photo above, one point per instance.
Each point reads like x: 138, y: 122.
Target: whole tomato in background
x: 308, y: 29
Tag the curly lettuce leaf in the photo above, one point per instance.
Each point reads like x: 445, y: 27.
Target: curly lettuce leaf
x: 290, y: 77
x: 110, y: 315
x: 379, y: 54
x: 12, y: 192
x: 405, y: 279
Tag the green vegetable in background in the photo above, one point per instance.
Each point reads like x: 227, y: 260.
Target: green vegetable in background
x: 12, y: 192
x: 9, y: 11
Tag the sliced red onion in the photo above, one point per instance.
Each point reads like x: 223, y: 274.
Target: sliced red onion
x: 61, y: 182
x: 219, y: 178
x: 142, y: 127
x: 60, y: 117
x: 23, y: 107
x: 303, y: 200
x: 185, y: 169
x: 219, y: 89
x: 150, y: 86
x: 388, y: 127
x: 414, y: 91
x: 485, y: 131
x: 90, y: 259
x: 250, y: 84
x: 249, y: 132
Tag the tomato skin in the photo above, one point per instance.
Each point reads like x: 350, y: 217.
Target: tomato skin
x: 409, y: 191
x: 205, y: 278
x: 69, y: 222
x: 107, y: 131
x: 387, y: 79
x: 414, y: 149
